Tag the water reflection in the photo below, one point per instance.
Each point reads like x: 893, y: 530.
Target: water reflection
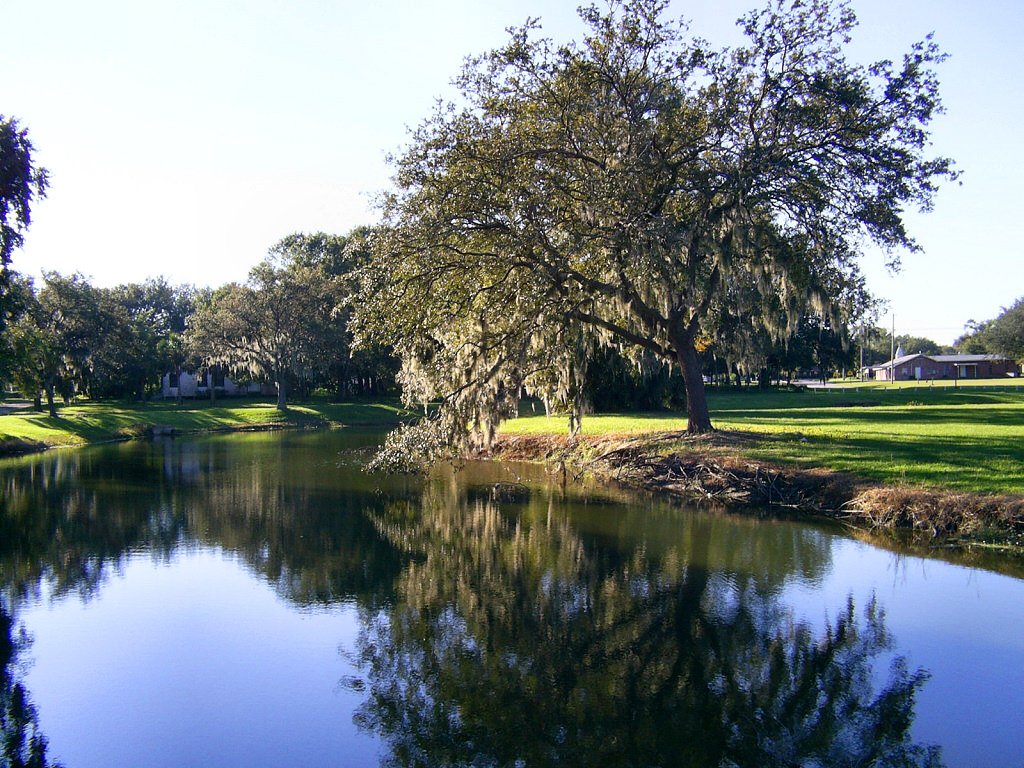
x: 506, y: 620
x: 22, y: 744
x: 515, y: 642
x: 71, y: 519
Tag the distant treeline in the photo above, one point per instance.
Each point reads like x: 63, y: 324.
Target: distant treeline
x: 286, y: 325
x: 289, y: 325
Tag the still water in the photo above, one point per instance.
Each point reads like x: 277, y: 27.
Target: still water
x: 258, y: 600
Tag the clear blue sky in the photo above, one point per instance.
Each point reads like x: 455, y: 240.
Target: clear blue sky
x: 185, y: 138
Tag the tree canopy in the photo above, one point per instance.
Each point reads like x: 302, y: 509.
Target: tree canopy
x: 1003, y: 335
x: 642, y: 190
x: 280, y: 323
x: 21, y: 181
x: 290, y: 320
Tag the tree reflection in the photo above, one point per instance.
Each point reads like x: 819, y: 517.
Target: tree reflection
x: 22, y: 744
x: 515, y: 643
x: 70, y: 519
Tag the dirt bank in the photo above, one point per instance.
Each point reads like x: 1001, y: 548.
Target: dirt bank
x: 714, y: 467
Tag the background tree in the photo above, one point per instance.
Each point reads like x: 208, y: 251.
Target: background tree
x: 21, y: 183
x: 266, y: 328
x: 143, y: 321
x: 639, y: 190
x: 18, y: 301
x: 973, y: 341
x: 337, y: 259
x: 913, y: 345
x: 1003, y: 335
x: 56, y: 338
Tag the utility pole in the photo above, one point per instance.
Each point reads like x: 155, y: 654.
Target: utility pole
x: 862, y: 352
x: 892, y: 350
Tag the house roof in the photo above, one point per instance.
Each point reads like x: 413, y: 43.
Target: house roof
x: 900, y: 360
x: 966, y: 358
x: 958, y: 359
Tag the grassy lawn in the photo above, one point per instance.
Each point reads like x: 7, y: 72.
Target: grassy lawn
x: 967, y: 438
x: 91, y: 422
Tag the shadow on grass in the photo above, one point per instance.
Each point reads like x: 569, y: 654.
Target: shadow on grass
x: 720, y: 400
x: 884, y: 418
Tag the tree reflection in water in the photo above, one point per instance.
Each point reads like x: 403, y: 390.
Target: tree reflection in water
x: 22, y: 744
x: 512, y: 642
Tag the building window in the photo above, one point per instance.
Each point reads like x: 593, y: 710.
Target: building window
x: 172, y: 380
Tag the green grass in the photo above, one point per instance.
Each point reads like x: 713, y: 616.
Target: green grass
x: 92, y: 422
x: 1005, y: 383
x: 967, y: 438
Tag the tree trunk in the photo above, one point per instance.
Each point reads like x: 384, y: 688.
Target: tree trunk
x: 698, y: 419
x: 50, y: 403
x: 342, y: 382
x: 282, y: 393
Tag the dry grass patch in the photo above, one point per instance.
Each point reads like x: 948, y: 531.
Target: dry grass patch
x: 938, y: 512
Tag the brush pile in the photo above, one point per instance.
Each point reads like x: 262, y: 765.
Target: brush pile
x: 713, y: 468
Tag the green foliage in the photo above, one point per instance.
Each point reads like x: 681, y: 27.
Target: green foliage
x: 642, y: 191
x: 144, y: 327
x: 344, y: 369
x: 21, y: 184
x: 289, y: 323
x: 1004, y: 335
x: 616, y: 383
x: 73, y: 338
x: 18, y: 300
x: 914, y: 344
x: 264, y: 328
x: 64, y: 328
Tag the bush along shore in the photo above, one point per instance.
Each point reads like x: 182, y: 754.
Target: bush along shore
x: 718, y: 467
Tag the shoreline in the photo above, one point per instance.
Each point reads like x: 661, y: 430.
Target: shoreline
x: 713, y: 467
x: 15, y: 447
x: 709, y: 468
x: 26, y: 431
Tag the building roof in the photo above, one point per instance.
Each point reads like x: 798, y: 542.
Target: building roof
x: 900, y: 360
x: 957, y: 359
x: 967, y: 358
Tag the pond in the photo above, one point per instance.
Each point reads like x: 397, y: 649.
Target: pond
x: 259, y: 600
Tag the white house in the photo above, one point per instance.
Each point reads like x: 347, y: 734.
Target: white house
x: 190, y: 384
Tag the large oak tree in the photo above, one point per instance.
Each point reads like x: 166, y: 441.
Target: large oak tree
x: 643, y: 190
